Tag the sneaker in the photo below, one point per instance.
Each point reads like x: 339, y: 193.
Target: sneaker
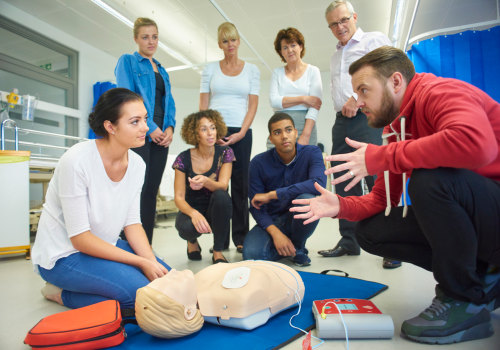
x: 492, y: 288
x: 448, y: 321
x: 301, y: 258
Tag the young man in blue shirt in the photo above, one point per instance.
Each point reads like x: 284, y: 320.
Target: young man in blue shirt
x: 278, y: 176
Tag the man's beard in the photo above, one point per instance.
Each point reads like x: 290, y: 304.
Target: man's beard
x: 386, y: 114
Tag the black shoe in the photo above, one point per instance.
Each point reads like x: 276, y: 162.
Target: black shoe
x: 336, y: 252
x: 194, y: 255
x: 239, y: 249
x: 390, y: 263
x: 219, y: 260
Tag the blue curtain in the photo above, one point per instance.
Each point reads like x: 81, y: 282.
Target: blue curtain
x: 471, y: 56
x: 99, y: 89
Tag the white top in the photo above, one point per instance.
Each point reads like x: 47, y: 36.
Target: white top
x: 309, y: 84
x: 228, y: 94
x: 82, y: 197
x: 360, y: 44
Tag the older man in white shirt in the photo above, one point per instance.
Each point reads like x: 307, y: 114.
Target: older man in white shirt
x: 350, y: 122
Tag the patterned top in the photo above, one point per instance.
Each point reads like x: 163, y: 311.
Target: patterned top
x: 199, y: 199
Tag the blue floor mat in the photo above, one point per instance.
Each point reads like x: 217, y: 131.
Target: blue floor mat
x: 275, y: 333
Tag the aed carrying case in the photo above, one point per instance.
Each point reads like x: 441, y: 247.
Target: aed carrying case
x: 95, y: 326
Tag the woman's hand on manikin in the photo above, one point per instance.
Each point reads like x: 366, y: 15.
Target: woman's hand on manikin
x: 152, y: 269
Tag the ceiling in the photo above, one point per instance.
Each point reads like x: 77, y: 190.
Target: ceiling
x: 190, y: 26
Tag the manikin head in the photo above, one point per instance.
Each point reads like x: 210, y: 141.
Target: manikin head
x: 167, y: 307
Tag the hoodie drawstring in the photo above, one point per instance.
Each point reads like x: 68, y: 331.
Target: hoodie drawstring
x: 385, y: 141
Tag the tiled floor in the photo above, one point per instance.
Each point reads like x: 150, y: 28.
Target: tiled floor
x: 411, y: 289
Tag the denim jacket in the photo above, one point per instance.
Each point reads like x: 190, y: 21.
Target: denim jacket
x: 136, y: 73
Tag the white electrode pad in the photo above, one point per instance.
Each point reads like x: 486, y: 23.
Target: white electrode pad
x: 236, y: 278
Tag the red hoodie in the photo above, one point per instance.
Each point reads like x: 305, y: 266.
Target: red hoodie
x: 449, y: 123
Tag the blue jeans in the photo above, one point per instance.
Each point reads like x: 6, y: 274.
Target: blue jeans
x: 87, y: 280
x: 259, y: 244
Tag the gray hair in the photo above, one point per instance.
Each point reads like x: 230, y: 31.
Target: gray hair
x: 338, y: 3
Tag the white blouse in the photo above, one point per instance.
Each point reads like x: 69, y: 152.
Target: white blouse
x: 309, y: 84
x: 229, y: 94
x: 81, y: 197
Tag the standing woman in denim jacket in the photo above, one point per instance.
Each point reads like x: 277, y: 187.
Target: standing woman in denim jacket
x: 231, y: 87
x: 141, y: 73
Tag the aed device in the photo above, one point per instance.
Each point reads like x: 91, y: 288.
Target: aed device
x: 362, y: 319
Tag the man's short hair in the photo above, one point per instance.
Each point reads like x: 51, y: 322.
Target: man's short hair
x: 338, y: 3
x: 279, y: 116
x: 385, y: 61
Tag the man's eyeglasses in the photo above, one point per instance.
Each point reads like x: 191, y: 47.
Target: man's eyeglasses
x: 342, y: 21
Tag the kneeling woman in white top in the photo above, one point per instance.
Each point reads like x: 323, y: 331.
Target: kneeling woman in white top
x: 296, y: 88
x: 93, y: 196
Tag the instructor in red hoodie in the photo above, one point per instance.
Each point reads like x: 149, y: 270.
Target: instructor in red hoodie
x: 445, y: 135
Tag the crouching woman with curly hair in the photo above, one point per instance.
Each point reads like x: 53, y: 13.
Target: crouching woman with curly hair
x: 202, y: 176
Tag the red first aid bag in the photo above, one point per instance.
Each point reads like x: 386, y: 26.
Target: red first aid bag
x: 95, y: 326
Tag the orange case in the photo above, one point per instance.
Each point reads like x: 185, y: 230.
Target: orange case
x: 95, y: 326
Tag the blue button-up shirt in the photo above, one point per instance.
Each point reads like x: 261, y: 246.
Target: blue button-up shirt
x: 136, y: 73
x: 269, y: 173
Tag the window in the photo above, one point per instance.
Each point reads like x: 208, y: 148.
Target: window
x: 38, y: 66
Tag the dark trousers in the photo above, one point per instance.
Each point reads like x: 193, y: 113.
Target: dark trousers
x: 239, y: 186
x: 155, y: 158
x: 452, y: 229
x: 218, y: 215
x: 356, y: 129
x: 259, y: 244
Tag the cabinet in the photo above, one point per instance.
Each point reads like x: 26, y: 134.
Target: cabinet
x: 14, y: 202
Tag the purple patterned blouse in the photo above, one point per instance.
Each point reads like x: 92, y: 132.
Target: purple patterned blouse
x: 199, y: 199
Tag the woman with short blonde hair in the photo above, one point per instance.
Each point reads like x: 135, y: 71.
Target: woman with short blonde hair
x: 231, y: 86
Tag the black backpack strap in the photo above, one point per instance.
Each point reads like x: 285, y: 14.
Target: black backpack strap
x: 127, y: 313
x: 129, y: 321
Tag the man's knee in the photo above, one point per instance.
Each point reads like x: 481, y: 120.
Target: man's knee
x: 366, y: 234
x: 425, y: 183
x: 255, y: 244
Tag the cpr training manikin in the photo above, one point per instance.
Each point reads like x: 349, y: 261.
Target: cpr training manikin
x: 240, y: 295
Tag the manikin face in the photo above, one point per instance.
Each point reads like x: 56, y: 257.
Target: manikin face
x: 147, y: 40
x: 283, y: 137
x: 179, y: 286
x: 375, y: 97
x: 290, y: 51
x: 130, y: 129
x: 229, y: 46
x: 207, y: 132
x: 343, y: 32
